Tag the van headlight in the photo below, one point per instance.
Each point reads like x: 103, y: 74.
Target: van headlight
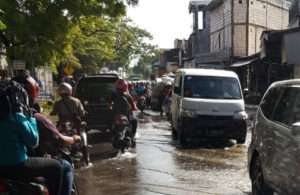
x: 188, y: 113
x: 241, y: 115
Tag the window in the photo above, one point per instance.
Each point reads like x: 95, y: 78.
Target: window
x: 269, y: 101
x: 210, y: 87
x: 287, y: 109
x: 177, y: 84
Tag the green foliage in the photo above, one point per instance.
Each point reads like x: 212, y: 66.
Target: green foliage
x: 42, y: 31
x: 148, y: 57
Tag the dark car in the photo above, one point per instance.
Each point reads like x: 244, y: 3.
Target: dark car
x: 93, y: 92
x: 273, y: 154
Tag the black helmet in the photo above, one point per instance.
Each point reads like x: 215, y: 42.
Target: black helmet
x: 13, y: 98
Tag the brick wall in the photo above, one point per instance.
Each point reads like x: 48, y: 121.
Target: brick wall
x: 263, y: 14
x: 221, y: 27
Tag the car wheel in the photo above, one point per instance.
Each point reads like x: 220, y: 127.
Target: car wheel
x: 241, y: 140
x: 259, y: 186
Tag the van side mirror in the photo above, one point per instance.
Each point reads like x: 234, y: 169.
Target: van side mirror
x: 245, y: 91
x: 295, y: 130
x: 177, y: 90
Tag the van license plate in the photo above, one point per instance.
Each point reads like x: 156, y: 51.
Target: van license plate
x: 215, y: 133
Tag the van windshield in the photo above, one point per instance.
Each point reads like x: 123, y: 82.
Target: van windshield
x: 211, y: 87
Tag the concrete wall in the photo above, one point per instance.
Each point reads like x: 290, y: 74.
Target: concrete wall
x: 220, y: 36
x: 262, y: 15
x: 265, y: 15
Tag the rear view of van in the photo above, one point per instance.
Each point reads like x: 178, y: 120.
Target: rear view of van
x: 207, y: 103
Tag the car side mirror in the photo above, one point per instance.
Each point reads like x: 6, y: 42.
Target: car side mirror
x: 245, y: 91
x: 295, y: 130
x: 177, y: 90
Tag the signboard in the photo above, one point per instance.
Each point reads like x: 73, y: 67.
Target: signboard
x: 19, y: 65
x: 45, y: 82
x: 68, y: 70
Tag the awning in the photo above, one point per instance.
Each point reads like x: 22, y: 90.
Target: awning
x: 242, y: 63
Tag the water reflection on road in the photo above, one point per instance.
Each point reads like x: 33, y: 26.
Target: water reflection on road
x: 158, y: 165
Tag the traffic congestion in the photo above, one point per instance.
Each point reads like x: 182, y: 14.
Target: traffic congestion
x: 137, y: 97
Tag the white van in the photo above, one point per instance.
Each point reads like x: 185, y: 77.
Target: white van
x: 207, y: 103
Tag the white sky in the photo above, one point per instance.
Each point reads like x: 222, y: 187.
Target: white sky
x: 166, y: 20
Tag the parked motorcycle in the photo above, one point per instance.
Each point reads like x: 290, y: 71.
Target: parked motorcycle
x: 122, y: 137
x: 141, y: 103
x: 78, y: 151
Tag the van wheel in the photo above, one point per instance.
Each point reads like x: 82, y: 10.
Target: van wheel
x: 181, y: 135
x: 174, y: 134
x: 259, y: 186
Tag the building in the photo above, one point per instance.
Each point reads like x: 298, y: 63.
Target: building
x: 294, y: 20
x: 237, y: 25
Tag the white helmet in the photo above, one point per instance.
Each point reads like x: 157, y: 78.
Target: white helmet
x: 65, y: 89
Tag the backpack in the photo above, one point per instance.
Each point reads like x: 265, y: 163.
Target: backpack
x: 121, y: 105
x: 13, y: 98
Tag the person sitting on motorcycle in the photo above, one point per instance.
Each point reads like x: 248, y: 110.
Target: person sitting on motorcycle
x: 141, y: 89
x: 68, y: 108
x: 19, y: 132
x: 51, y: 137
x: 122, y: 90
x: 165, y: 93
x: 131, y: 90
x: 148, y: 94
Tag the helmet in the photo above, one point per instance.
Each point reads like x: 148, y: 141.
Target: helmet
x: 121, y: 85
x: 29, y: 84
x: 31, y: 87
x: 65, y: 89
x: 168, y: 83
x: 13, y: 99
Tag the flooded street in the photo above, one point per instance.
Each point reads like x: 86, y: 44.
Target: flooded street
x: 158, y: 165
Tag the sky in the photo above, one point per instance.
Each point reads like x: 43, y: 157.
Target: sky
x: 166, y: 20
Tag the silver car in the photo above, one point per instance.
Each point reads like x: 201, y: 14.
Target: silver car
x: 274, y: 152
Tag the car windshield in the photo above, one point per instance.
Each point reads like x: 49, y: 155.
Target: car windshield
x: 95, y: 87
x: 211, y: 87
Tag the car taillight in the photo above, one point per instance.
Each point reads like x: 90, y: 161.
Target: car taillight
x: 3, y: 187
x: 75, y: 132
x: 63, y: 127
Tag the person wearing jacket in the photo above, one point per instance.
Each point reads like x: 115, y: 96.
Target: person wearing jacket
x: 68, y: 108
x: 50, y: 135
x: 122, y: 90
x: 17, y: 133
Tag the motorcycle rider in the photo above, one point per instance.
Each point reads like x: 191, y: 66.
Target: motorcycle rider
x: 122, y: 90
x: 132, y: 91
x: 19, y: 132
x: 165, y: 94
x: 68, y: 108
x: 141, y: 89
x: 50, y: 136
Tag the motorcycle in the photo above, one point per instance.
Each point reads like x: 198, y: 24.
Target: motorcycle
x: 122, y: 137
x: 12, y: 185
x: 166, y: 107
x: 78, y: 151
x: 141, y: 103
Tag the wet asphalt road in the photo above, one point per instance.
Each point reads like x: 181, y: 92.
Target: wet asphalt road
x: 158, y: 165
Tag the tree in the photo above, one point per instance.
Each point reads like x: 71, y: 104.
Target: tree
x: 148, y: 57
x: 110, y: 42
x: 40, y: 31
